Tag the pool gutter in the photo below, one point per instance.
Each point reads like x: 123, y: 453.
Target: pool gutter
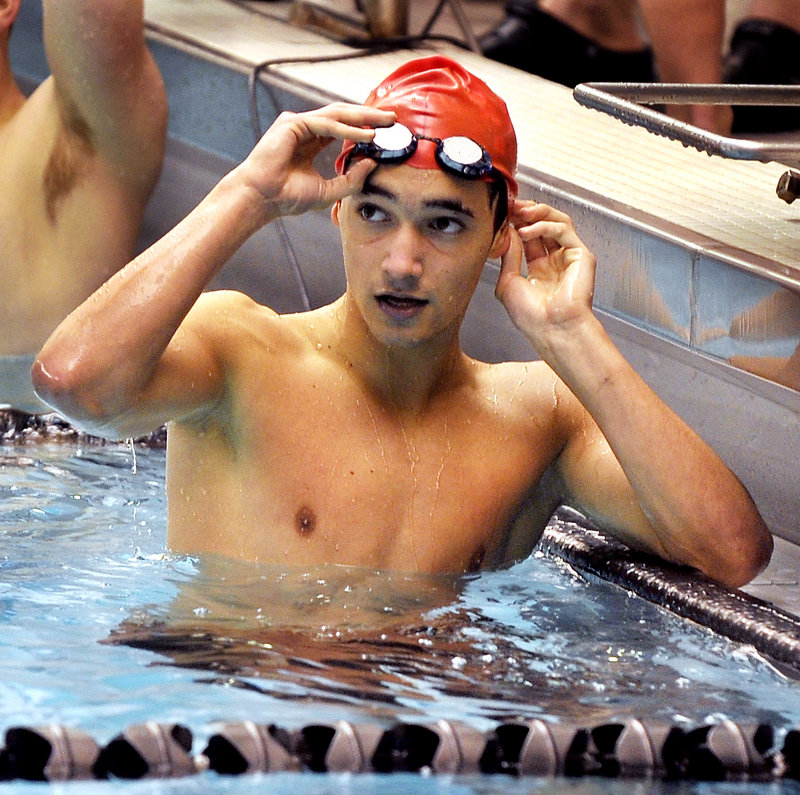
x: 772, y: 632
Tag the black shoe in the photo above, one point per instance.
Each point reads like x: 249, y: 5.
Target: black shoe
x: 765, y: 53
x: 532, y: 40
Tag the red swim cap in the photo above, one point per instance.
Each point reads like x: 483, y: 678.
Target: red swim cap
x: 438, y: 98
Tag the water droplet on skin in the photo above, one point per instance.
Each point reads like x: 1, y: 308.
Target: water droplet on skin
x: 132, y: 448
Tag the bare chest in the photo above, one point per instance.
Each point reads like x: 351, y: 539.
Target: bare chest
x: 331, y: 478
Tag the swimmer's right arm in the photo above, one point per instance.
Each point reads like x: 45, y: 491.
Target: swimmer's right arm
x: 121, y: 363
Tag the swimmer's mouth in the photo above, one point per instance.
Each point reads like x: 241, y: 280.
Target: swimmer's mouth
x: 402, y: 304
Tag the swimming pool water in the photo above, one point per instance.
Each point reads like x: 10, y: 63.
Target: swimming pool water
x: 102, y: 628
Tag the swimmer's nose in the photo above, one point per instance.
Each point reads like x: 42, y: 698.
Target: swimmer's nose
x: 403, y: 261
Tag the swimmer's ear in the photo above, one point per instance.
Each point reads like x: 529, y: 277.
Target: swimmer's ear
x: 8, y: 13
x: 501, y: 242
x: 335, y: 212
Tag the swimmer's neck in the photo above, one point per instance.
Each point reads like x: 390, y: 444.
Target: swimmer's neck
x: 406, y: 377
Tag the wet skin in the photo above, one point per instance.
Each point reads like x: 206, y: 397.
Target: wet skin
x: 361, y: 431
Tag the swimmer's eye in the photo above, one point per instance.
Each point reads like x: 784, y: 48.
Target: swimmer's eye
x: 446, y: 225
x: 372, y: 213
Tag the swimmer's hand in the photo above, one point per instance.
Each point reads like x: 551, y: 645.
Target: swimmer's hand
x: 281, y: 166
x: 557, y: 292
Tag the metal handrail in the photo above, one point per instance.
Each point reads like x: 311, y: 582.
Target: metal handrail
x: 622, y: 101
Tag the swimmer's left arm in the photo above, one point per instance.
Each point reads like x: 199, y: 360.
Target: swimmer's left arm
x: 623, y: 444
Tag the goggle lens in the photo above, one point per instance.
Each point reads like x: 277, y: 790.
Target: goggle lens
x: 392, y: 143
x: 464, y: 156
x: 456, y: 154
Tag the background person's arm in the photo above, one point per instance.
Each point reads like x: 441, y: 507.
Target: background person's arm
x: 687, y: 40
x: 629, y: 461
x: 108, y: 86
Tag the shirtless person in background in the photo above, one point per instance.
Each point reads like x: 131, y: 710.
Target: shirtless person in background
x: 360, y: 433
x: 78, y: 160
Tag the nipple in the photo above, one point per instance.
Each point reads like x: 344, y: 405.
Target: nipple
x: 305, y: 520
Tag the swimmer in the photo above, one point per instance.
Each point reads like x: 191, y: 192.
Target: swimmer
x: 78, y: 161
x: 360, y: 433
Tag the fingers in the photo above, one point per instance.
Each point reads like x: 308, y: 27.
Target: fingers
x: 529, y: 210
x: 282, y: 164
x: 342, y: 121
x: 510, y: 263
x: 543, y: 228
x: 352, y: 181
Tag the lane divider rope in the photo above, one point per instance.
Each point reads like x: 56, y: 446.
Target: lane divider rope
x: 630, y: 749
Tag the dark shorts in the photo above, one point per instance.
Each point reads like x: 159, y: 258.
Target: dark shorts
x: 764, y: 52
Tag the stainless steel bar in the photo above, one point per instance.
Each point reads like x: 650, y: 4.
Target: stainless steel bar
x: 702, y: 93
x: 621, y: 100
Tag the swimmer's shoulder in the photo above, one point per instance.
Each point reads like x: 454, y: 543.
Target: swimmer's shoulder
x: 527, y: 381
x: 233, y: 316
x: 224, y: 314
x: 531, y: 388
x: 229, y: 306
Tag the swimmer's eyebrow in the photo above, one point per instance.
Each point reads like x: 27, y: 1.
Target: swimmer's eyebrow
x: 451, y: 205
x: 370, y: 189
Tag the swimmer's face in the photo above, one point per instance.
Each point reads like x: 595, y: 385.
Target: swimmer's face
x: 415, y: 242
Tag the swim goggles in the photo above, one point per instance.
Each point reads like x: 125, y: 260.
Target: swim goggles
x: 457, y: 154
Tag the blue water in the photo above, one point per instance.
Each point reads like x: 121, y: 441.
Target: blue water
x: 101, y: 628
